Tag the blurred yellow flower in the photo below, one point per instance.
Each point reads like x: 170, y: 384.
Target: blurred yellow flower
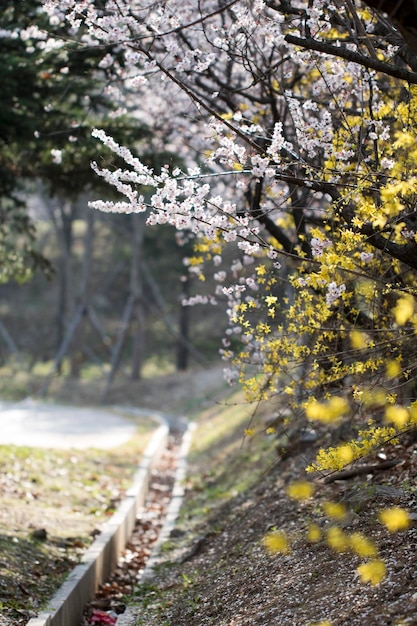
x: 393, y: 368
x: 300, y: 490
x: 334, y: 510
x: 327, y: 412
x: 276, y: 542
x: 404, y: 310
x: 362, y: 546
x: 313, y: 533
x: 372, y: 572
x: 395, y: 519
x: 398, y: 415
x: 346, y: 453
x: 337, y: 539
x: 358, y: 339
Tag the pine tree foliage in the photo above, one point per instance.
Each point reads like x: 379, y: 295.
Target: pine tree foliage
x: 54, y: 91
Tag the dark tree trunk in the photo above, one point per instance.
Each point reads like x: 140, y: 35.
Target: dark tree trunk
x: 184, y: 327
x: 77, y: 344
x: 137, y: 292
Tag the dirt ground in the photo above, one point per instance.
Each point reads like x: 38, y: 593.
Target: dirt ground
x: 215, y: 569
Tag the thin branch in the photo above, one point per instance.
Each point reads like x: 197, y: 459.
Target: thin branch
x: 199, y: 20
x: 355, y: 57
x: 195, y: 98
x: 360, y: 29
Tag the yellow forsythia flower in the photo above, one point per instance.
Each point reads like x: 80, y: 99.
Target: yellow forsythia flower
x: 362, y: 546
x: 395, y: 519
x: 313, y: 533
x: 334, y: 510
x: 372, y: 572
x: 276, y: 542
x: 271, y: 300
x: 404, y: 310
x: 337, y: 539
x: 326, y: 623
x: 300, y: 490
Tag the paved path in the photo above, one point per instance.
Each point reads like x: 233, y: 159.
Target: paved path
x: 41, y: 425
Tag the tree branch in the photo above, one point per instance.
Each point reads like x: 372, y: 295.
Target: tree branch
x: 407, y: 253
x: 403, y: 13
x: 355, y: 57
x: 254, y: 201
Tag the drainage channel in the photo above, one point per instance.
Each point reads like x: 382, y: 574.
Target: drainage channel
x: 117, y: 560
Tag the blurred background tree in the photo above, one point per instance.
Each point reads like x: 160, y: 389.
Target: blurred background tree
x: 92, y: 288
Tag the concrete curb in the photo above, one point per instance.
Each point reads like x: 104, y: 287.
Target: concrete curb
x: 174, y: 507
x: 67, y: 605
x: 130, y: 616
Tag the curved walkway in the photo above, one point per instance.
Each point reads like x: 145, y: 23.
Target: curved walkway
x: 42, y: 425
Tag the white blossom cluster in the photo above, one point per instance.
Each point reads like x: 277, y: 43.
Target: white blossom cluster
x: 334, y: 291
x: 318, y: 246
x: 197, y: 81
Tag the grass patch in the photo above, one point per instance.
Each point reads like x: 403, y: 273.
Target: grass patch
x: 224, y: 463
x: 51, y: 503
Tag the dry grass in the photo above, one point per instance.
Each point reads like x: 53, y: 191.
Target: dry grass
x: 52, y: 501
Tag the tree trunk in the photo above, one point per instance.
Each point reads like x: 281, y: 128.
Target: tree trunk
x: 183, y: 350
x: 171, y: 323
x: 137, y: 293
x: 72, y: 327
x: 127, y: 314
x: 62, y: 219
x: 8, y: 340
x: 77, y: 345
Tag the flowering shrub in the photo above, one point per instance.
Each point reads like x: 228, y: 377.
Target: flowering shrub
x: 296, y: 126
